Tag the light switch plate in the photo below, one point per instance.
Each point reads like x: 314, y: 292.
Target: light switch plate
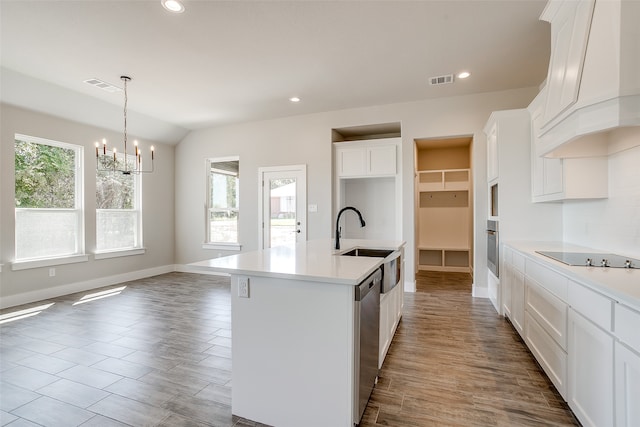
x: 313, y: 208
x: 243, y: 287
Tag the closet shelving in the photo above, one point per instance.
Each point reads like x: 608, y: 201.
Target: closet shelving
x: 444, y: 212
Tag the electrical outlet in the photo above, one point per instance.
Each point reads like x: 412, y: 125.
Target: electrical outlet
x: 52, y: 272
x: 243, y: 287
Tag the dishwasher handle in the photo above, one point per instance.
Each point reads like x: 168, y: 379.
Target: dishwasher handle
x: 370, y: 283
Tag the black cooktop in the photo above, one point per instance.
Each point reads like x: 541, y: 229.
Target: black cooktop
x: 590, y: 259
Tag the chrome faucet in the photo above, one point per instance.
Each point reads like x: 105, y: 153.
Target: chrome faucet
x: 338, y: 228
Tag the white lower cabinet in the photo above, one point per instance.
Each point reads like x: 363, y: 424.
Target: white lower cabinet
x: 548, y: 353
x: 590, y: 379
x: 517, y: 301
x: 627, y: 383
x: 391, y: 305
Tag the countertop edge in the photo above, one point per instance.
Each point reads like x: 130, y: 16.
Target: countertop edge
x: 579, y: 274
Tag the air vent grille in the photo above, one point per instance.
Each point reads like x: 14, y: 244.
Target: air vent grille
x: 103, y: 85
x: 441, y: 80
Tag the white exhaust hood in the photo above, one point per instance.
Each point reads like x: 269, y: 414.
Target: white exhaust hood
x: 593, y: 85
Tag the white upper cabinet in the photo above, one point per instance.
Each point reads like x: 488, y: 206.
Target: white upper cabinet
x: 492, y: 153
x: 593, y: 82
x: 366, y: 159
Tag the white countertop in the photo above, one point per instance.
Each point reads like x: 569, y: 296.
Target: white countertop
x: 621, y: 284
x: 315, y: 260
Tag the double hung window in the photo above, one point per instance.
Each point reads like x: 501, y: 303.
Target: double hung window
x: 48, y: 199
x: 223, y: 191
x: 118, y: 213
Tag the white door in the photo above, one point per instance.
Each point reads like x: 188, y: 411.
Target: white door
x: 283, y: 218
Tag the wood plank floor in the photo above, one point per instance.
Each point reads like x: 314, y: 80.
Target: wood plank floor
x: 158, y: 353
x: 455, y: 362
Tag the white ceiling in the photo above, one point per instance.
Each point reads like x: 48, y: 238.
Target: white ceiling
x: 222, y: 62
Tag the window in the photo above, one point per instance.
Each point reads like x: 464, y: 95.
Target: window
x: 48, y: 199
x: 223, y: 181
x: 118, y: 215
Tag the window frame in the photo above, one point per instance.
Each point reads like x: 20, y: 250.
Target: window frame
x: 209, y: 244
x: 78, y: 209
x: 139, y: 248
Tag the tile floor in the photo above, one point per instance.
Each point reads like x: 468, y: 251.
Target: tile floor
x: 158, y: 353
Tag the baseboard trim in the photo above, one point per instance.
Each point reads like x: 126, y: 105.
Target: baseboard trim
x: 479, y: 292
x: 409, y: 286
x: 71, y: 288
x: 187, y: 268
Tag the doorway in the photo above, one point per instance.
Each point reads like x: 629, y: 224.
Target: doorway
x: 444, y: 204
x: 283, y: 201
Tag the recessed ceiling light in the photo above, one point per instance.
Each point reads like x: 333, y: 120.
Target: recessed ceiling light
x: 294, y: 99
x: 464, y: 75
x: 174, y: 6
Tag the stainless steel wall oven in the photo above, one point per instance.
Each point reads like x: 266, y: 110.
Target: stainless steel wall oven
x: 493, y: 252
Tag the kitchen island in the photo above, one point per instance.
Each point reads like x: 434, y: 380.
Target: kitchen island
x: 293, y: 334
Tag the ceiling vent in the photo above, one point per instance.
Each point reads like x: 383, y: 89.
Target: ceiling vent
x: 441, y: 80
x: 103, y: 85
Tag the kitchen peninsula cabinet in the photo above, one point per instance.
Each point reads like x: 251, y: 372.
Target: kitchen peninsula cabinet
x: 296, y: 326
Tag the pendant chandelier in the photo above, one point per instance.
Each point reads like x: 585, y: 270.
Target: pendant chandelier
x: 115, y: 162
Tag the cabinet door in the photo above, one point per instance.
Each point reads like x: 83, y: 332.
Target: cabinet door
x: 517, y: 301
x: 385, y: 339
x: 590, y: 372
x: 492, y: 154
x: 627, y: 387
x: 351, y: 161
x: 381, y: 160
x: 506, y: 285
x: 548, y: 353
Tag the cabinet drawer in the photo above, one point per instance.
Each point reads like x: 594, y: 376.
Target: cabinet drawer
x: 548, y: 353
x: 626, y: 324
x: 549, y: 311
x: 518, y: 261
x: 592, y: 305
x: 548, y: 279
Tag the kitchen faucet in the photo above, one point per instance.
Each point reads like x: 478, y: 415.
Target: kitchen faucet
x: 338, y: 228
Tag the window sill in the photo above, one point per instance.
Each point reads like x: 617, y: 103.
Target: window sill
x: 119, y: 253
x: 47, y: 262
x: 222, y: 246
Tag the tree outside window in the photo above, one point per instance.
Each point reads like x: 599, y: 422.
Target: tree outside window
x: 117, y: 206
x: 48, y: 198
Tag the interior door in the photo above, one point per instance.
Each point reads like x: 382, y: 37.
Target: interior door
x: 284, y: 201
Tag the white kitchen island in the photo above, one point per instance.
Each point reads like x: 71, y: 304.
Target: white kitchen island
x: 293, y: 336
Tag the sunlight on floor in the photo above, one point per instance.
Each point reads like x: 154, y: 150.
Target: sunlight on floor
x: 22, y: 314
x: 99, y: 295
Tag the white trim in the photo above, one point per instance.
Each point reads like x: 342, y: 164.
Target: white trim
x: 46, y: 262
x: 119, y: 253
x: 222, y: 246
x: 186, y: 268
x: 409, y: 285
x: 479, y: 291
x: 43, y: 294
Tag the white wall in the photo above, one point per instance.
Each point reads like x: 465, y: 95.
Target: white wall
x: 612, y: 224
x: 307, y: 139
x: 157, y: 209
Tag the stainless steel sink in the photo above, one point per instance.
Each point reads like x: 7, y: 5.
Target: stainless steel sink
x: 378, y: 253
x: 391, y: 267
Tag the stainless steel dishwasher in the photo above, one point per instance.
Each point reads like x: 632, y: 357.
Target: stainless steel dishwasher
x: 367, y: 331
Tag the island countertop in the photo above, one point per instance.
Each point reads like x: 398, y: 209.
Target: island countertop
x: 314, y: 260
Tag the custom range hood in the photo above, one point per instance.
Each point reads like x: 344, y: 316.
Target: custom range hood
x: 592, y: 99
